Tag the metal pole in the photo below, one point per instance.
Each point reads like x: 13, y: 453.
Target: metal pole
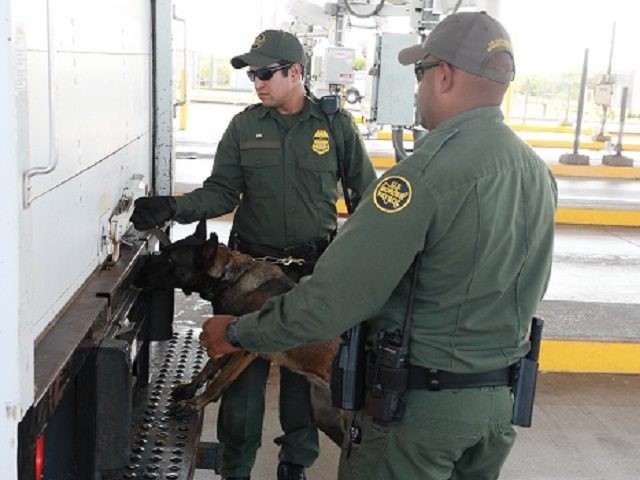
x: 566, y: 111
x: 623, y: 114
x: 526, y: 101
x: 583, y: 87
x: 613, y: 38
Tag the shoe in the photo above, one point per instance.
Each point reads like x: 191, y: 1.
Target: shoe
x: 290, y: 471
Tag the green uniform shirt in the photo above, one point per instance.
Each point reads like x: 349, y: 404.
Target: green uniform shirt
x: 282, y: 178
x: 481, y: 203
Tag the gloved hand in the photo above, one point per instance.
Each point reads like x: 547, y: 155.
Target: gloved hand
x: 149, y: 212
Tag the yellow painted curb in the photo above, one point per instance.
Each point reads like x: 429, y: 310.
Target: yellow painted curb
x: 519, y: 127
x: 598, y: 171
x: 537, y: 142
x: 580, y: 216
x: 573, y: 216
x: 589, y: 356
x: 341, y: 207
x: 383, y: 161
x: 406, y: 136
x: 560, y: 170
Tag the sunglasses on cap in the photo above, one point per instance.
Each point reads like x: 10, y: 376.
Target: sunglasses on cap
x: 422, y: 67
x: 266, y: 73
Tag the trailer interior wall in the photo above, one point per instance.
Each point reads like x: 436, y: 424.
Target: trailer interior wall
x: 101, y: 135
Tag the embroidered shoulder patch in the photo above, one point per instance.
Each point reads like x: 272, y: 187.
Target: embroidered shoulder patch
x: 392, y: 194
x: 320, y: 143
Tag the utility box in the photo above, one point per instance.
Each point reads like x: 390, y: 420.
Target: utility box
x: 338, y: 65
x: 393, y: 85
x: 603, y: 94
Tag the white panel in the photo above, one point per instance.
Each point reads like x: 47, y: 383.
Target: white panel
x: 394, y: 85
x: 9, y: 248
x: 102, y: 98
x: 32, y: 14
x: 102, y: 103
x: 65, y: 241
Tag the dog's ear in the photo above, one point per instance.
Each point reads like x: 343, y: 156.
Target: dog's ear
x: 209, y: 252
x: 201, y: 230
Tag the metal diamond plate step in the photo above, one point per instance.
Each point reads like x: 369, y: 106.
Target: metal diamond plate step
x: 163, y: 446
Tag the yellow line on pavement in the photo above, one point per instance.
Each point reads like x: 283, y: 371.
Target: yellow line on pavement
x: 585, y: 216
x: 599, y: 171
x: 589, y: 356
x: 537, y: 142
x: 381, y: 161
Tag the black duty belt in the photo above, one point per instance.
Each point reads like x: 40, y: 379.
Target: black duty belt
x: 433, y: 379
x: 308, y: 250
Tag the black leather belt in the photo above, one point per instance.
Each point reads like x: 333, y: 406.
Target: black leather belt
x: 433, y: 379
x: 308, y: 250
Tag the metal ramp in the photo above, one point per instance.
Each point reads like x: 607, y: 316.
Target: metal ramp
x: 163, y: 446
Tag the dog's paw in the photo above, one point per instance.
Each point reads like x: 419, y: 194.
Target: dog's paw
x: 185, y: 391
x: 183, y: 409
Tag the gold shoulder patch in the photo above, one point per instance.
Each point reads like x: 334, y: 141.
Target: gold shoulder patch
x: 392, y: 194
x: 320, y: 143
x: 259, y: 41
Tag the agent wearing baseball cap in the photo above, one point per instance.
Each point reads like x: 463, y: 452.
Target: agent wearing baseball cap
x: 477, y: 204
x: 277, y: 164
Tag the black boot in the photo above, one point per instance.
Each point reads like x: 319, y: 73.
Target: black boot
x: 290, y: 471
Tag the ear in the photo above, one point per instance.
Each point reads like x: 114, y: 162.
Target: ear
x: 201, y: 230
x: 209, y: 252
x: 445, y: 77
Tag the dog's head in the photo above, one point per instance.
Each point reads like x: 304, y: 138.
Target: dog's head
x: 188, y: 264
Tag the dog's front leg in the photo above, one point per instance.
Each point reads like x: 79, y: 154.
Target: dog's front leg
x: 330, y: 420
x: 234, y: 365
x: 187, y: 391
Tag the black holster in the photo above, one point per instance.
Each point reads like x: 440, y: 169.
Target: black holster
x: 525, y: 378
x: 387, y: 379
x: 348, y: 370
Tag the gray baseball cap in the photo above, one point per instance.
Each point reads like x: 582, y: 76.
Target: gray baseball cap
x: 270, y: 47
x: 466, y: 40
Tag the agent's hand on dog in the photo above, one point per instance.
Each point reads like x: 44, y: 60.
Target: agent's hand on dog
x: 214, y: 338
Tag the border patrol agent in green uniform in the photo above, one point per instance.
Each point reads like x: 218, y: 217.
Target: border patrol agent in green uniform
x: 479, y: 204
x: 277, y: 163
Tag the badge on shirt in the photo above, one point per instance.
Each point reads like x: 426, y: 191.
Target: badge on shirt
x: 320, y: 143
x: 392, y: 194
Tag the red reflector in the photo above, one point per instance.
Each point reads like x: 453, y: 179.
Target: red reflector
x: 39, y: 457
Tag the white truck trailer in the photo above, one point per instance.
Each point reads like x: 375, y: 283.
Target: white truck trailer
x: 86, y: 108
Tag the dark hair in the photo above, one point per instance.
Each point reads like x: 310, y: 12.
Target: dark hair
x: 502, y: 62
x: 285, y: 72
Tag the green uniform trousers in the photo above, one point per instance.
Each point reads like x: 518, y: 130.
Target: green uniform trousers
x: 461, y: 434
x: 240, y: 420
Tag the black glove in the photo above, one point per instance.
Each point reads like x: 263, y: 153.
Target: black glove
x: 149, y: 212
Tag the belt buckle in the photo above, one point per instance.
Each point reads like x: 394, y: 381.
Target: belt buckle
x: 433, y: 380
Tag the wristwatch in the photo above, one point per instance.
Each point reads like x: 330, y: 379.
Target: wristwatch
x: 230, y: 333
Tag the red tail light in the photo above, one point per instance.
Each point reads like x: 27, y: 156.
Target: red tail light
x: 39, y: 467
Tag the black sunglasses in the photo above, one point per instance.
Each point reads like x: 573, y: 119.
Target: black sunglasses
x: 422, y: 67
x: 266, y: 73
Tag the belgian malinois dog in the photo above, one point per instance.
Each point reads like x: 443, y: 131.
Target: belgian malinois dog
x: 237, y: 284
